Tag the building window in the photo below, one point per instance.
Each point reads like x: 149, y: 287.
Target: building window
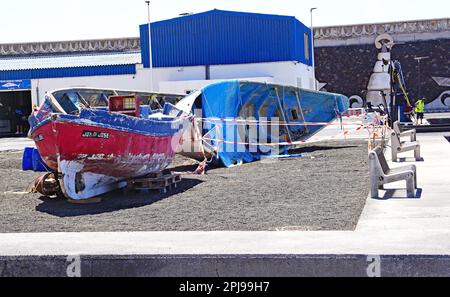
x: 307, y: 46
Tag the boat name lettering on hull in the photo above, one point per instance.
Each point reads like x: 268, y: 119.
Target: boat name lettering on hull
x: 94, y: 134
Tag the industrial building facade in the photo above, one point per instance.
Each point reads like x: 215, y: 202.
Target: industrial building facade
x: 187, y: 52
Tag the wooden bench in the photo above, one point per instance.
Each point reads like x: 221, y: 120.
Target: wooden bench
x: 398, y: 146
x: 381, y: 174
x: 412, y: 134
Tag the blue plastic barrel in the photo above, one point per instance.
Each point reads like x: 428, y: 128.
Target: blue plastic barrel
x: 401, y: 111
x: 38, y: 163
x: 27, y: 160
x: 145, y: 111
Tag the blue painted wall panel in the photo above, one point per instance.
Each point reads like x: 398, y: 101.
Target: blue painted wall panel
x: 68, y: 72
x: 300, y: 31
x: 222, y: 37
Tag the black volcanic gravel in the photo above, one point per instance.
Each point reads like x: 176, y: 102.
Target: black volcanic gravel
x: 325, y: 190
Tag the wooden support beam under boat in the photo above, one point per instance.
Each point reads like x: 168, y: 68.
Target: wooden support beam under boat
x: 95, y: 200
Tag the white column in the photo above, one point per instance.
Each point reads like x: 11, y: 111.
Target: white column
x: 150, y: 47
x: 313, y: 50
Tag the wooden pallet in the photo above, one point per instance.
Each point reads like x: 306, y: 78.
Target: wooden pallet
x: 95, y: 200
x: 163, y: 181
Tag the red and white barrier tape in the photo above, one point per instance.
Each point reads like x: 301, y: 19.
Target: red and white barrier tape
x: 257, y: 123
x: 310, y: 140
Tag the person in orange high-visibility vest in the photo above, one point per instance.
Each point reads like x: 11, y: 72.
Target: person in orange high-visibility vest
x: 420, y: 111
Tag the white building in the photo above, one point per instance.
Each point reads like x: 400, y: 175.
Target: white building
x: 187, y: 53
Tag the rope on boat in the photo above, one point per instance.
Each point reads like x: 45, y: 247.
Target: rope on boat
x: 47, y: 185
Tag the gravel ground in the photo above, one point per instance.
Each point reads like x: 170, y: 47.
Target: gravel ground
x: 325, y: 190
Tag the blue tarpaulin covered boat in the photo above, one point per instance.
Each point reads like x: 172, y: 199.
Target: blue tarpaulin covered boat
x: 242, y: 121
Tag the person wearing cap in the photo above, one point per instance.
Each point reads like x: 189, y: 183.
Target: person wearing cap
x: 420, y: 110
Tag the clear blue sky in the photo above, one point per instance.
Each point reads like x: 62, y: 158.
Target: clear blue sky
x: 49, y: 20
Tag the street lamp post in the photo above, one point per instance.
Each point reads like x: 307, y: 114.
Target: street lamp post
x: 150, y: 46
x: 313, y: 50
x: 419, y: 60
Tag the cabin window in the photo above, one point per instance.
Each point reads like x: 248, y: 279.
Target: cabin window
x: 307, y: 42
x: 70, y: 102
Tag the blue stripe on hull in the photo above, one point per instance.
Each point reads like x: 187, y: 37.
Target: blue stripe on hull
x: 166, y: 126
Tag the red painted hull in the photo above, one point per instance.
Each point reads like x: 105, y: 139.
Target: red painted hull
x: 102, y: 157
x: 64, y: 140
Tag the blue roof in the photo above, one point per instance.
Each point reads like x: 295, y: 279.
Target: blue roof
x: 223, y: 37
x: 68, y: 66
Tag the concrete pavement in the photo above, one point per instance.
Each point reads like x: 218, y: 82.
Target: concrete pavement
x: 431, y: 209
x: 15, y: 144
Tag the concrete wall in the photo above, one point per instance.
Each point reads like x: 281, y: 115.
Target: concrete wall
x: 232, y: 265
x: 286, y: 73
x: 183, y: 79
x: 187, y: 86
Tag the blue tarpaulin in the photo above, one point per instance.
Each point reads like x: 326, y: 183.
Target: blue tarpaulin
x: 246, y: 120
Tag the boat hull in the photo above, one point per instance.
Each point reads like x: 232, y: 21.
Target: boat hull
x: 93, y: 159
x: 243, y: 121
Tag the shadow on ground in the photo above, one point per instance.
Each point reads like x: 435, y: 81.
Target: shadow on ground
x: 399, y: 194
x: 409, y: 160
x: 111, y: 202
x: 312, y: 149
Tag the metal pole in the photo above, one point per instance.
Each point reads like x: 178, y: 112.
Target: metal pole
x: 392, y: 114
x: 150, y: 46
x: 313, y: 50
